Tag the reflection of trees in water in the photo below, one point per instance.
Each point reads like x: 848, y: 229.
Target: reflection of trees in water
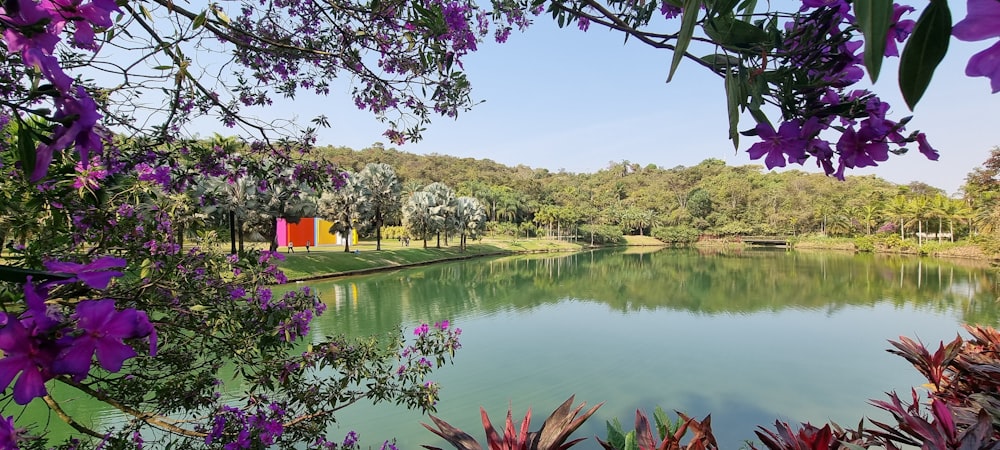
x: 728, y: 282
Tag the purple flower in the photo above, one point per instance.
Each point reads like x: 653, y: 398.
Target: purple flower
x: 24, y: 355
x: 986, y: 64
x: 83, y: 111
x: 787, y: 140
x: 443, y: 325
x: 899, y: 30
x: 979, y: 24
x: 8, y: 434
x: 861, y: 148
x: 925, y: 147
x: 421, y: 330
x: 670, y: 11
x: 350, y: 440
x: 583, y: 23
x: 103, y: 329
x: 94, y: 274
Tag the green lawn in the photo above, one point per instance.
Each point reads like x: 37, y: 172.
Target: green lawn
x: 332, y: 260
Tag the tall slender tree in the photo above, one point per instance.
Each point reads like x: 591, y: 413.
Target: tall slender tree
x: 380, y: 187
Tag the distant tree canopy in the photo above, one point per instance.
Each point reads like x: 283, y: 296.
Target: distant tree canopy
x: 710, y: 196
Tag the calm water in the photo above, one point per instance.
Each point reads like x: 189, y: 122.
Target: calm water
x: 749, y: 337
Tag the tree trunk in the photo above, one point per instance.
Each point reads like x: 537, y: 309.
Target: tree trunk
x: 239, y: 234
x: 180, y: 237
x: 378, y: 231
x: 232, y: 231
x: 438, y: 239
x: 347, y: 240
x: 272, y: 235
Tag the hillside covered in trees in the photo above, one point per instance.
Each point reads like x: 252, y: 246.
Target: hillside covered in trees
x: 710, y: 197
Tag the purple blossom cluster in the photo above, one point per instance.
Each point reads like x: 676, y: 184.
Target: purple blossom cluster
x: 43, y: 342
x: 33, y: 29
x: 260, y: 424
x: 818, y: 44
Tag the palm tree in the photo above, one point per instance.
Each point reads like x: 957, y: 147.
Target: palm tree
x: 899, y: 209
x: 443, y: 206
x: 471, y: 218
x: 920, y: 210
x: 417, y: 216
x: 381, y: 189
x: 344, y: 208
x: 869, y: 216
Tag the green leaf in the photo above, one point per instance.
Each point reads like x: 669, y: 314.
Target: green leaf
x: 722, y: 6
x: 924, y: 51
x: 20, y: 275
x: 720, y: 61
x: 738, y: 34
x: 200, y: 20
x: 747, y: 8
x: 27, y: 150
x: 688, y: 21
x: 630, y: 443
x: 873, y: 18
x: 734, y: 98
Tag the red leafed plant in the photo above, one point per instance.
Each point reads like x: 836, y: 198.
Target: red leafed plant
x: 552, y: 436
x: 808, y: 437
x: 670, y: 434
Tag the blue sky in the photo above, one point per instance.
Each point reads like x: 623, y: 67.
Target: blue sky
x: 565, y: 99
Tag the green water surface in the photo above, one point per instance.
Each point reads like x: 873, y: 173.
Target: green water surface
x: 749, y: 337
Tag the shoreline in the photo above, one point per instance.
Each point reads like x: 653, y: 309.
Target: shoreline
x: 306, y: 267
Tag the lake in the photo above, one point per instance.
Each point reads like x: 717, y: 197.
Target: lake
x: 748, y: 337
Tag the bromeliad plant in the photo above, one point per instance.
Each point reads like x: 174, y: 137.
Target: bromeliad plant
x: 671, y: 434
x: 552, y: 435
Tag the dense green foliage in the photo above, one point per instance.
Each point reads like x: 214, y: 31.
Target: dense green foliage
x: 677, y: 204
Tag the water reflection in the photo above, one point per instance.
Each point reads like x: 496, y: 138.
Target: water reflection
x: 748, y: 336
x: 680, y: 280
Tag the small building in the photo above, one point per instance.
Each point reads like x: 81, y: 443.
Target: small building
x: 313, y: 230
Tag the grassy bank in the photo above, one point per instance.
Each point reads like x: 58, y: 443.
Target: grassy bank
x: 328, y: 261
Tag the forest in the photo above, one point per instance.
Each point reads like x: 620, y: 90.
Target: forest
x: 710, y: 198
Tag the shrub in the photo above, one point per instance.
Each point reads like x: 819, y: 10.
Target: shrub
x: 602, y: 234
x: 676, y: 235
x: 864, y: 244
x: 393, y: 232
x: 502, y: 229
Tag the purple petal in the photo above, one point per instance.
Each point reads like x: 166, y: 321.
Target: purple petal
x: 9, y: 368
x: 111, y: 354
x: 980, y: 22
x: 986, y: 64
x: 125, y: 324
x: 925, y: 147
x: 775, y: 158
x: 94, y: 314
x: 29, y: 385
x: 76, y: 359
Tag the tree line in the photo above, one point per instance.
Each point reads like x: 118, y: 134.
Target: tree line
x: 710, y: 198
